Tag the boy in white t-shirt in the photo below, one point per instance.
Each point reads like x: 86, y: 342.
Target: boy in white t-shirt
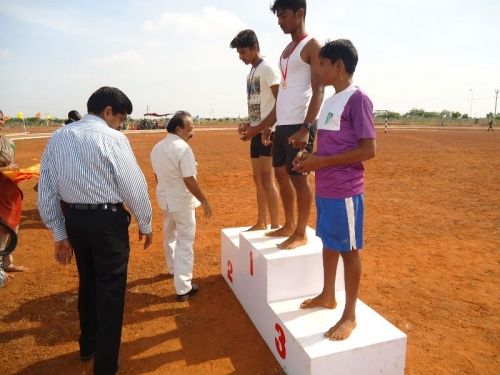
x: 262, y: 90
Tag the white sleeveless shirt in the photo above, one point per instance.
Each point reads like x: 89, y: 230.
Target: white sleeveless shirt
x: 295, y: 93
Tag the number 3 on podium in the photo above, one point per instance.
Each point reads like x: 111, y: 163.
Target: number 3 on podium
x: 280, y: 341
x: 230, y: 271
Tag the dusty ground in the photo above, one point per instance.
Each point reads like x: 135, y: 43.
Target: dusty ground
x: 431, y: 266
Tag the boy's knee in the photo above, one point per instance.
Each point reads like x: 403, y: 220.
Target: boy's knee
x: 350, y: 256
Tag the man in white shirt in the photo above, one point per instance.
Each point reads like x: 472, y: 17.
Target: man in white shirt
x: 178, y: 194
x: 262, y: 90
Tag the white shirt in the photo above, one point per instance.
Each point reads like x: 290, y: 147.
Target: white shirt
x: 295, y: 93
x: 173, y: 160
x: 89, y: 162
x: 261, y: 99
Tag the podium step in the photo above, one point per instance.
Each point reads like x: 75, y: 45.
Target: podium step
x: 271, y: 283
x: 374, y: 347
x: 287, y: 273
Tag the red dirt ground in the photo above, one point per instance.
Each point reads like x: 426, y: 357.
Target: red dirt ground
x: 431, y: 266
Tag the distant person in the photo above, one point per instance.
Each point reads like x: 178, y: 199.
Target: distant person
x: 262, y: 90
x: 11, y: 197
x: 178, y: 194
x: 90, y: 166
x: 491, y: 124
x: 346, y: 138
x: 72, y: 117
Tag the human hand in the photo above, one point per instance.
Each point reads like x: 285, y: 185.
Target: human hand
x: 266, y: 137
x: 63, y: 252
x: 249, y: 133
x: 299, y: 139
x: 149, y: 239
x: 243, y: 127
x: 305, y: 162
x: 207, y: 210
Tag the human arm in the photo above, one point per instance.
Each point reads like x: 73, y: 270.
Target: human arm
x: 194, y: 188
x: 310, y: 162
x: 49, y: 199
x: 299, y: 139
x: 133, y: 187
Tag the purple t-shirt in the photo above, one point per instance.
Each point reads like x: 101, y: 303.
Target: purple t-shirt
x: 345, y: 118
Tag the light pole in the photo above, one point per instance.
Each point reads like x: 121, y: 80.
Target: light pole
x: 496, y: 100
x: 471, y: 100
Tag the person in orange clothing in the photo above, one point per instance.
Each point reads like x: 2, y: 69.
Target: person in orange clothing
x: 11, y: 197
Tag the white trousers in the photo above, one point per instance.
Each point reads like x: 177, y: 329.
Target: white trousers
x: 179, y: 229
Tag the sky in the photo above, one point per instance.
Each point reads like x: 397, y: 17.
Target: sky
x: 168, y: 55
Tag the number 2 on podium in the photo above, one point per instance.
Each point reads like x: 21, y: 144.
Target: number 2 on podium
x: 251, y: 263
x: 230, y: 271
x: 280, y: 341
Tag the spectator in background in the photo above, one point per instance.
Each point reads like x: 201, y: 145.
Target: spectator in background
x: 11, y: 196
x: 491, y: 124
x: 72, y: 117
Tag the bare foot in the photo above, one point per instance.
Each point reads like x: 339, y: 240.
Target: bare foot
x: 319, y: 301
x: 281, y: 232
x: 341, y: 330
x: 257, y: 227
x: 295, y: 240
x: 14, y: 268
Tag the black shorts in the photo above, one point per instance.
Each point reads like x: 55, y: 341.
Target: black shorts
x: 257, y: 148
x: 283, y: 153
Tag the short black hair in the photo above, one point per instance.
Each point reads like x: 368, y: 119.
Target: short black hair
x: 177, y: 120
x: 109, y: 96
x: 245, y: 39
x: 74, y: 115
x: 341, y: 49
x: 294, y: 5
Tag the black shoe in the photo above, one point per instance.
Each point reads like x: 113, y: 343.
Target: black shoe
x: 185, y: 297
x: 86, y: 357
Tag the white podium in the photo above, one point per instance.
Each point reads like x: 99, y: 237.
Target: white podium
x: 271, y: 283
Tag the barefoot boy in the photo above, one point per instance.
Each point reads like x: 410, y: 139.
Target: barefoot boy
x: 298, y: 103
x: 262, y: 89
x: 346, y: 138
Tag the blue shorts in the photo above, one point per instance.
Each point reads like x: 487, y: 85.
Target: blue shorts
x: 339, y: 223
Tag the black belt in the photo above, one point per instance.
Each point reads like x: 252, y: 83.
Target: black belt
x: 94, y: 207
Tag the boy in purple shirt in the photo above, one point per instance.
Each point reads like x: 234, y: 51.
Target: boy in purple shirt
x: 346, y: 138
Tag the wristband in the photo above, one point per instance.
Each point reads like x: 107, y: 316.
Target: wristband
x: 307, y: 125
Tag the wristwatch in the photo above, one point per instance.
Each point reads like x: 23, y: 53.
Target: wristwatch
x: 307, y: 125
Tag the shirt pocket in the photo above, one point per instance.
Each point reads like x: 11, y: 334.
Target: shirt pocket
x: 332, y: 121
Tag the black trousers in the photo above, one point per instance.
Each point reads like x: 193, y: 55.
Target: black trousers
x: 101, y: 243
